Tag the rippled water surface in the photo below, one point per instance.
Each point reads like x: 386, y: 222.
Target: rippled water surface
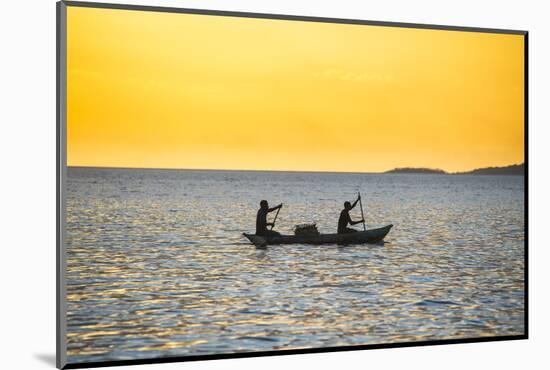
x: 157, y: 265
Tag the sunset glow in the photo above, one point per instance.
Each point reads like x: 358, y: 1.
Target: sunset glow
x: 162, y: 90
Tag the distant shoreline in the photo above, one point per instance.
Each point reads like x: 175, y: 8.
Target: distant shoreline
x: 517, y: 169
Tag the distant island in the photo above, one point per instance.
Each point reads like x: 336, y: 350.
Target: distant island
x: 417, y: 170
x: 515, y: 169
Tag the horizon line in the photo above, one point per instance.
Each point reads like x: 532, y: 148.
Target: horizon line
x: 297, y: 171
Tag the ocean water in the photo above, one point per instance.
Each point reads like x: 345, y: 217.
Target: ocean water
x: 157, y: 265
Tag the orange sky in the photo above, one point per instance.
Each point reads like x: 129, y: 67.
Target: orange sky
x: 166, y: 90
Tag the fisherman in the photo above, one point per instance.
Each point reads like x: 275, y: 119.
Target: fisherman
x: 345, y: 219
x: 261, y: 219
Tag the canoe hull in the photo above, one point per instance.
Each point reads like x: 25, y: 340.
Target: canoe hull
x: 360, y: 237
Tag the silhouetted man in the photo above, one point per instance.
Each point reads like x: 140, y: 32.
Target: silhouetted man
x: 345, y: 219
x: 261, y: 219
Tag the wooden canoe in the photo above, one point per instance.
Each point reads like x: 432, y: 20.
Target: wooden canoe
x: 360, y: 237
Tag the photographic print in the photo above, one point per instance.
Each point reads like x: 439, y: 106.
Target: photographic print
x: 246, y: 185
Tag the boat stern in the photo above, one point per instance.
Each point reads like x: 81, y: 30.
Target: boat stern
x: 258, y: 241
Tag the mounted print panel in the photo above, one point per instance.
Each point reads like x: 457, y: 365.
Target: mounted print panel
x: 235, y: 184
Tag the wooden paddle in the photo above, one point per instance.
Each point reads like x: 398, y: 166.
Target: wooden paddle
x: 362, y: 215
x: 275, y: 219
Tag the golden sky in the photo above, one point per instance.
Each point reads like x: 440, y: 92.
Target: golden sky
x: 163, y: 90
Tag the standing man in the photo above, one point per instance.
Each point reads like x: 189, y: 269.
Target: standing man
x: 345, y: 219
x: 261, y: 219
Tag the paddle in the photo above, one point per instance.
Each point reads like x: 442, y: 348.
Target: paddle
x: 362, y: 215
x: 276, y: 214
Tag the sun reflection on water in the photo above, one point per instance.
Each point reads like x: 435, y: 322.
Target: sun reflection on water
x: 157, y: 265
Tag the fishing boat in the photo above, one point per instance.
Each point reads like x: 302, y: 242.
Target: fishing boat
x: 360, y: 237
